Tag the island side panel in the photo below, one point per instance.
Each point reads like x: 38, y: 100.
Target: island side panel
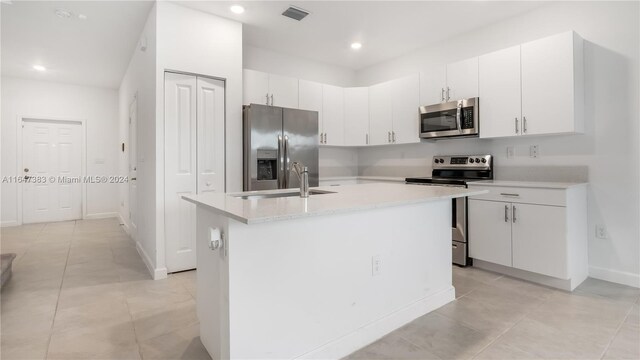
x: 307, y: 288
x: 212, y: 281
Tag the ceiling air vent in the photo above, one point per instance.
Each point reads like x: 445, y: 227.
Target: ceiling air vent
x: 295, y: 13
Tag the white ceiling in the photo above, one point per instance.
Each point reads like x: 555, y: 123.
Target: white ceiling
x: 95, y: 51
x: 387, y: 29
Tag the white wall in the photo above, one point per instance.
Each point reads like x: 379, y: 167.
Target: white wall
x: 140, y: 80
x: 44, y: 100
x: 610, y: 146
x: 200, y: 43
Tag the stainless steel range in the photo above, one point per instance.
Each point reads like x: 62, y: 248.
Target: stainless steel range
x: 458, y: 170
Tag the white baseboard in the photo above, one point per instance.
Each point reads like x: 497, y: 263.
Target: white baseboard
x: 619, y: 277
x: 105, y: 215
x: 156, y: 274
x: 125, y: 226
x: 373, y: 331
x: 9, y: 223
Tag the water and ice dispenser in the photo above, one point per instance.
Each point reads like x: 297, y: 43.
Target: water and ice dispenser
x: 267, y: 164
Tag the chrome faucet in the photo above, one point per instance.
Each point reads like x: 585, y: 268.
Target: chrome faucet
x: 303, y: 175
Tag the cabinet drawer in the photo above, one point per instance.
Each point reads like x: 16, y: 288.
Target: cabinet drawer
x: 555, y: 197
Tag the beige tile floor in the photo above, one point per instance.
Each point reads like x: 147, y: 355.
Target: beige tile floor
x: 80, y: 291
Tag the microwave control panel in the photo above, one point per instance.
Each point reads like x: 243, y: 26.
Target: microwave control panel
x: 467, y: 118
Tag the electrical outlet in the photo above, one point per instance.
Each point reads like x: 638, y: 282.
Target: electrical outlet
x: 534, y: 151
x: 376, y: 265
x: 511, y: 152
x: 601, y: 232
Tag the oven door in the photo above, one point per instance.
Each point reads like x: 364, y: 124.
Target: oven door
x: 450, y: 119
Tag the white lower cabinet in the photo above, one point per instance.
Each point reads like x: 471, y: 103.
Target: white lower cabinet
x: 517, y: 234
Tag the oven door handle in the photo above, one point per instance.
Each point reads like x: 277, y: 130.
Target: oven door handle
x: 458, y: 116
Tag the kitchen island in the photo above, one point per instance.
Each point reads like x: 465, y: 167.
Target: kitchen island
x: 280, y: 276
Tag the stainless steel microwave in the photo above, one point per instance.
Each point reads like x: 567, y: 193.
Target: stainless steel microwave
x: 450, y: 119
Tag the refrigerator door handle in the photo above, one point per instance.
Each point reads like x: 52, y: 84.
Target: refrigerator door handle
x: 287, y: 160
x: 280, y: 180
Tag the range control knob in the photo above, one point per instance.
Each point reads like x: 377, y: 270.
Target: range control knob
x: 484, y: 160
x: 477, y: 160
x: 436, y: 161
x: 441, y: 161
x: 471, y: 160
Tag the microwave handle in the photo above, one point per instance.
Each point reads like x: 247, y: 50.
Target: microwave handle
x: 458, y: 115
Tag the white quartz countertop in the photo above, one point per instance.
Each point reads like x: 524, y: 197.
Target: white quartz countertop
x: 345, y: 199
x: 526, y: 184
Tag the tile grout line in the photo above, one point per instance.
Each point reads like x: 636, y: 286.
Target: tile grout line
x: 64, y: 272
x: 604, y: 352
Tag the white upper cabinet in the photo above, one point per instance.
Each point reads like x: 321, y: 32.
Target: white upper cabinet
x: 462, y: 80
x: 380, y: 114
x: 500, y: 106
x: 284, y: 91
x: 310, y: 98
x: 356, y: 116
x: 405, y: 100
x: 255, y: 87
x: 333, y: 115
x: 433, y: 84
x: 269, y: 89
x: 552, y: 85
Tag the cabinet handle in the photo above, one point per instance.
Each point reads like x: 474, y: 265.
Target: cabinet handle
x: 442, y: 94
x: 448, y: 90
x: 506, y: 213
x: 510, y: 194
x: 321, y: 138
x: 513, y: 215
x: 389, y: 136
x: 267, y: 99
x: 524, y: 124
x: 516, y: 126
x: 393, y: 134
x: 325, y: 138
x: 271, y: 99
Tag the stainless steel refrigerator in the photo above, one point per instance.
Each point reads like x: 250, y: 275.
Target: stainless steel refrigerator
x: 274, y: 138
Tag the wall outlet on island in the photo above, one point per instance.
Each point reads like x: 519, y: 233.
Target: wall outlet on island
x: 534, y: 151
x: 601, y: 232
x: 376, y: 265
x: 511, y: 152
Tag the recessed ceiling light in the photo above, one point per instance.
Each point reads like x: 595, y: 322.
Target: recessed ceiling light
x: 237, y: 9
x: 63, y: 14
x: 39, y: 68
x: 356, y: 46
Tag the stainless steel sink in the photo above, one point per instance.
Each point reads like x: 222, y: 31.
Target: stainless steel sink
x: 269, y: 195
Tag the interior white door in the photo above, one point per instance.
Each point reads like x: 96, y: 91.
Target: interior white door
x: 462, y: 79
x: 255, y: 87
x: 210, y: 135
x: 539, y: 239
x: 333, y: 114
x: 380, y: 114
x: 500, y: 95
x: 356, y: 116
x: 490, y: 231
x: 133, y: 169
x: 52, y: 160
x: 180, y: 170
x: 284, y: 91
x: 405, y: 100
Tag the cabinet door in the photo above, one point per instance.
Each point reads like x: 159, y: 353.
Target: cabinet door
x: 462, y: 79
x: 490, y: 231
x: 540, y: 239
x: 380, y: 115
x: 405, y: 100
x: 255, y: 87
x: 433, y: 82
x: 284, y: 90
x: 548, y: 84
x: 499, y: 83
x: 310, y: 98
x: 356, y: 116
x: 333, y: 114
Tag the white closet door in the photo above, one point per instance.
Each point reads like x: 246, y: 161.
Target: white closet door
x: 133, y: 169
x: 52, y: 149
x: 210, y: 119
x: 180, y: 170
